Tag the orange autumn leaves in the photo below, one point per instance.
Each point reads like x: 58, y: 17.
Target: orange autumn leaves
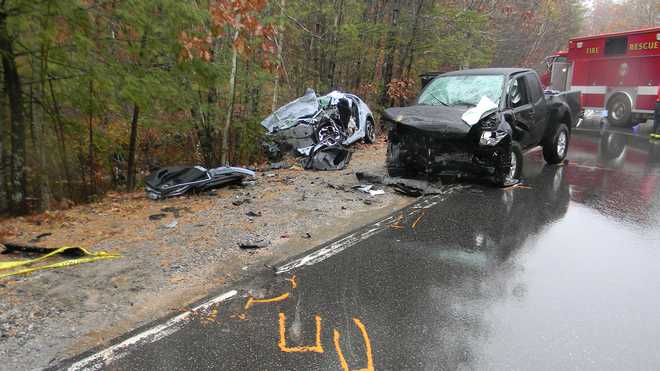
x: 241, y: 16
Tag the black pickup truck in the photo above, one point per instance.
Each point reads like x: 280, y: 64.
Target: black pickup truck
x: 479, y: 121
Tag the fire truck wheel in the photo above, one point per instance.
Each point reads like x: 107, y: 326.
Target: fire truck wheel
x: 555, y: 146
x: 619, y: 111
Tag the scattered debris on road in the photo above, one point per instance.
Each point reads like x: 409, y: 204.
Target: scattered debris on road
x: 368, y: 189
x: 171, y: 224
x: 40, y: 237
x: 408, y: 187
x: 253, y: 242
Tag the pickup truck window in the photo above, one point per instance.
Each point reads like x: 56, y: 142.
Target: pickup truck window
x: 518, y: 93
x: 535, y: 91
x: 462, y: 90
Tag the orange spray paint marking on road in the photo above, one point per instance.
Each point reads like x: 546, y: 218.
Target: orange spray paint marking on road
x: 517, y: 185
x: 367, y: 347
x: 294, y: 284
x: 414, y: 225
x: 318, y: 348
x: 252, y: 300
x: 342, y: 359
x: 397, y: 223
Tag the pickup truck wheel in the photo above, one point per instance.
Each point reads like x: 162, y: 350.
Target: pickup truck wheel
x: 619, y: 111
x: 556, y: 147
x: 510, y: 168
x: 395, y: 168
x: 370, y: 132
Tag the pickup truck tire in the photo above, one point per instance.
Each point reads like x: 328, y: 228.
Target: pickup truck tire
x: 555, y: 146
x: 395, y: 168
x: 510, y: 168
x: 619, y: 111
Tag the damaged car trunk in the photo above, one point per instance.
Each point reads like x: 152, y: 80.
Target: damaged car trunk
x: 478, y: 122
x: 319, y: 128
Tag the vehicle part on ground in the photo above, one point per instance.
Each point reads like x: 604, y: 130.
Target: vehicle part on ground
x: 254, y: 242
x: 177, y: 180
x: 335, y: 119
x: 477, y: 122
x: 327, y: 157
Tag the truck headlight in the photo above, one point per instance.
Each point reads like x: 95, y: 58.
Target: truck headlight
x: 491, y: 138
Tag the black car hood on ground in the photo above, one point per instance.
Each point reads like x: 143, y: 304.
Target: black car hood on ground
x: 439, y: 119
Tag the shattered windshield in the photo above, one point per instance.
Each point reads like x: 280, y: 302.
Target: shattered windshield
x: 288, y: 115
x: 466, y: 90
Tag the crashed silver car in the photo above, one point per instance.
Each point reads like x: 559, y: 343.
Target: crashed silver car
x: 312, y: 123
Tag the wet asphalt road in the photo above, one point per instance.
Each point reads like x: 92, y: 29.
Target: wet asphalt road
x: 563, y: 273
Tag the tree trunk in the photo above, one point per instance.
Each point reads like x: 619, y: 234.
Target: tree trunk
x: 391, y: 48
x: 357, y: 76
x: 4, y: 191
x: 132, y: 146
x: 39, y: 147
x: 90, y: 150
x: 280, y: 45
x: 339, y: 9
x: 36, y: 122
x: 407, y: 57
x: 230, y: 104
x: 13, y: 88
x: 59, y: 133
x: 130, y: 181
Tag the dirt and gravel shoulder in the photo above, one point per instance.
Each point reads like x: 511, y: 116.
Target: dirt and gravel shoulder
x: 168, y: 263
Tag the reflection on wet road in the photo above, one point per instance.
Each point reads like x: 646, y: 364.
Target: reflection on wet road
x: 561, y: 273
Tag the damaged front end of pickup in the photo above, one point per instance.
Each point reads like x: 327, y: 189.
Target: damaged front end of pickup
x: 430, y: 141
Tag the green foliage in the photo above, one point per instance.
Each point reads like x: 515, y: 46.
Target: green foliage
x: 85, y: 65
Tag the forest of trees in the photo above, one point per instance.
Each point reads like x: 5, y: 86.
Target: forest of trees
x: 95, y: 93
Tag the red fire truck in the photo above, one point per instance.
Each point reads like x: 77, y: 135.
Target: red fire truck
x: 617, y: 73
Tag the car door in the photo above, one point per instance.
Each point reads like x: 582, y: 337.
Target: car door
x: 524, y: 118
x: 540, y: 109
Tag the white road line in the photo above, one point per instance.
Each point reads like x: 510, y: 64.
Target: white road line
x: 353, y: 238
x: 99, y: 360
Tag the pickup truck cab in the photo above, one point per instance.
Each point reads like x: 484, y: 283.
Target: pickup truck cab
x: 479, y: 121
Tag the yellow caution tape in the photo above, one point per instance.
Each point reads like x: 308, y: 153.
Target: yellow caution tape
x: 91, y: 257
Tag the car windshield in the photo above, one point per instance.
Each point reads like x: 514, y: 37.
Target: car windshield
x: 460, y: 90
